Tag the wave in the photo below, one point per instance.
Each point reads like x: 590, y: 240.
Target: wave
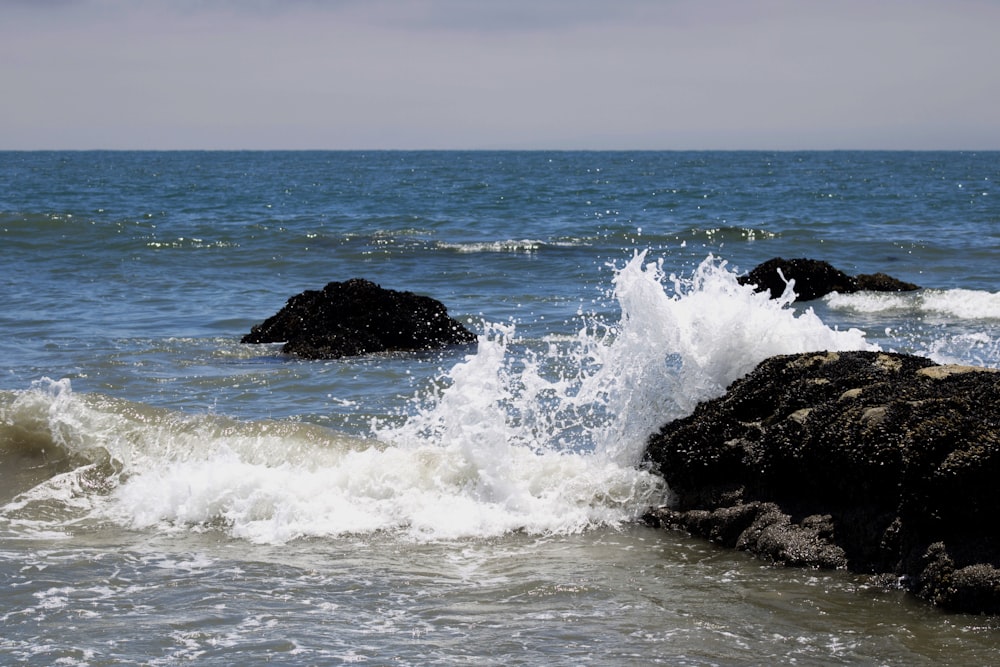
x: 954, y: 326
x: 536, y: 436
x: 510, y: 245
x: 389, y: 241
x: 964, y: 304
x: 271, y: 482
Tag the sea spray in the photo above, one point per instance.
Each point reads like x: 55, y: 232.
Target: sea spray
x: 675, y: 348
x: 594, y: 399
x: 542, y: 436
x: 609, y: 387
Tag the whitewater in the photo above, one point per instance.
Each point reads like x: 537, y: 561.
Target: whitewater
x: 515, y: 437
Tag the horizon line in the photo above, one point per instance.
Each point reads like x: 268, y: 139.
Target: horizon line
x: 499, y: 150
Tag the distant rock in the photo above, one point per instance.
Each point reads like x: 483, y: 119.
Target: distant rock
x: 359, y: 317
x: 884, y: 464
x: 880, y: 282
x: 815, y: 278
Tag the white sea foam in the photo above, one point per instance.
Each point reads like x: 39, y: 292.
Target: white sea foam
x: 963, y: 303
x: 526, y: 246
x: 956, y: 326
x: 523, y: 436
x: 976, y: 348
x: 512, y: 245
x: 954, y: 303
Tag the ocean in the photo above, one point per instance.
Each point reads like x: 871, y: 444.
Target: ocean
x: 171, y: 496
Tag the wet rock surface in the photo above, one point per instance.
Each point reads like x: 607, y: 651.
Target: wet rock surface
x: 358, y: 317
x: 878, y: 463
x: 815, y: 278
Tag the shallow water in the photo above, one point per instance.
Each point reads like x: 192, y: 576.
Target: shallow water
x: 631, y: 596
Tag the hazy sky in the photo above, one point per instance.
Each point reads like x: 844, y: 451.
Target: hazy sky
x: 563, y: 74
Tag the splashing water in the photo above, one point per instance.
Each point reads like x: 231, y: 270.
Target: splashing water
x: 612, y: 386
x: 524, y: 435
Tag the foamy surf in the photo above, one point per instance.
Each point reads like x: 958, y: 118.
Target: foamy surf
x: 520, y: 436
x: 956, y: 326
x: 273, y: 482
x: 963, y: 304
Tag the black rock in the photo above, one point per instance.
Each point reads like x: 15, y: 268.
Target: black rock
x: 815, y: 278
x: 880, y: 282
x: 358, y: 317
x: 884, y: 464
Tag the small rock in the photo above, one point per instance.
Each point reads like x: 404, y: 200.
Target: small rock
x: 358, y: 317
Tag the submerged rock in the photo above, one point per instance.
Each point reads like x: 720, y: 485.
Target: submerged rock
x: 884, y: 464
x: 815, y: 278
x: 359, y: 317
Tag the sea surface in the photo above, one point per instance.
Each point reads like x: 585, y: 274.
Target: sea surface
x: 170, y: 496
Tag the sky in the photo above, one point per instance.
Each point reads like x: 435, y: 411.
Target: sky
x: 500, y: 74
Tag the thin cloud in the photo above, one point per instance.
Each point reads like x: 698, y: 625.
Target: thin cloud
x: 516, y: 74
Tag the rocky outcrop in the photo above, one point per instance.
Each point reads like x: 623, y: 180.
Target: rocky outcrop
x: 814, y: 279
x: 359, y: 317
x: 879, y: 463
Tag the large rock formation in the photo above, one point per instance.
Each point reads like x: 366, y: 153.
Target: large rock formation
x: 815, y: 278
x: 880, y: 463
x: 359, y: 317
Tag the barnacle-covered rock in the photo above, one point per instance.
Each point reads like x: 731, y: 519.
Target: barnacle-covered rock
x: 879, y: 463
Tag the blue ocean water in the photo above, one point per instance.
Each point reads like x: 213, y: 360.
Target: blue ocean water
x: 173, y: 495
